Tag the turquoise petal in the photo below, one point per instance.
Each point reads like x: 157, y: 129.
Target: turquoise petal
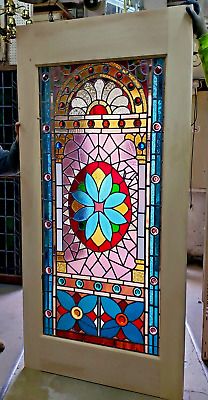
x: 91, y: 226
x: 114, y: 216
x: 114, y: 200
x: 134, y: 310
x: 91, y: 187
x: 109, y: 329
x: 83, y: 214
x: 87, y: 303
x: 83, y: 198
x: 105, y: 226
x: 66, y: 322
x: 105, y: 188
x: 133, y: 333
x: 110, y: 307
x: 65, y: 300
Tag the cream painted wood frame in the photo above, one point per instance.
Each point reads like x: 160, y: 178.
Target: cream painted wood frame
x: 162, y: 32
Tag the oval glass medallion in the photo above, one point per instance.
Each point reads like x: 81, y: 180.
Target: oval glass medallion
x: 99, y: 206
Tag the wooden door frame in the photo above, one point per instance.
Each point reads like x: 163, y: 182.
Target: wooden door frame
x: 159, y: 33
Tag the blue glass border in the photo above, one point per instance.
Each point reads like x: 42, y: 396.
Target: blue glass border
x: 47, y: 276
x: 155, y: 201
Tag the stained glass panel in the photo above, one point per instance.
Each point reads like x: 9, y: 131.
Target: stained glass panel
x: 101, y: 140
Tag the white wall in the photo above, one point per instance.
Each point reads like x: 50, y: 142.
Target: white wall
x: 153, y: 4
x: 196, y: 219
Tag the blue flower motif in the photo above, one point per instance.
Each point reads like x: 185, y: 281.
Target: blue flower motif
x: 122, y: 320
x: 99, y: 206
x: 76, y: 313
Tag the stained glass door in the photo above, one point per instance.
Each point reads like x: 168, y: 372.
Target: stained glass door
x: 105, y: 190
x: 102, y: 132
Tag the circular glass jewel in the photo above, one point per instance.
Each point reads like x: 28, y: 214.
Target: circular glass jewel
x: 105, y: 69
x: 79, y: 283
x: 155, y: 179
x: 62, y: 124
x: 47, y: 177
x: 106, y: 124
x: 137, y: 123
x: 91, y: 123
x: 99, y: 206
x: 137, y: 101
x: 137, y: 292
x: 121, y: 123
x: 153, y: 281
x: 158, y: 70
x: 119, y: 75
x: 91, y: 70
x: 48, y: 313
x: 141, y: 146
x: 61, y: 281
x: 48, y: 224
x: 76, y: 124
x: 157, y: 127
x: 58, y: 145
x: 154, y: 231
x: 45, y: 77
x: 46, y: 128
x: 48, y: 270
x: 77, y: 313
x: 153, y: 330
x: 121, y: 319
x: 98, y: 286
x: 131, y: 86
x: 116, y: 289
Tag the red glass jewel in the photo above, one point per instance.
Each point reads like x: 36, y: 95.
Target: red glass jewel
x: 98, y: 110
x: 121, y: 123
x: 137, y: 123
x: 122, y: 320
x: 91, y: 123
x: 106, y: 123
x: 91, y: 70
x: 76, y: 124
x: 131, y: 86
x: 62, y: 124
x: 77, y: 78
x: 137, y: 101
x: 119, y: 75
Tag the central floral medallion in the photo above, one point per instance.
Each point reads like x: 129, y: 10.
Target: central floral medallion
x: 100, y: 207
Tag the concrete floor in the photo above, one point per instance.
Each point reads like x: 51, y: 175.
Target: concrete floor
x: 11, y: 331
x: 52, y: 387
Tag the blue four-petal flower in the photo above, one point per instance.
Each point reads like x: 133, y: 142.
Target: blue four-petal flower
x: 132, y: 312
x: 103, y: 196
x: 86, y: 305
